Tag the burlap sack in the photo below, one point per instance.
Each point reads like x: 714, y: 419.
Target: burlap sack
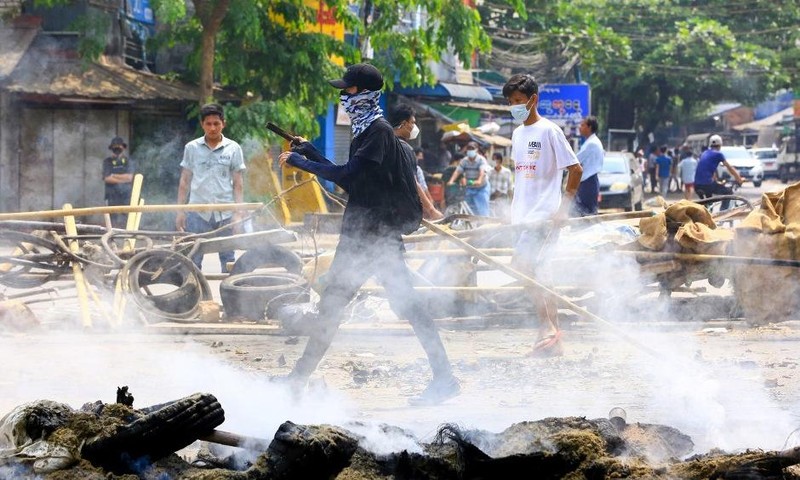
x: 697, y: 234
x: 770, y: 293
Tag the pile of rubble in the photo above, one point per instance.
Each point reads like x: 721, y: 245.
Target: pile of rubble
x: 50, y: 440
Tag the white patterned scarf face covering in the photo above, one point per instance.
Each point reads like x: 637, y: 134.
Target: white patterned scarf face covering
x: 362, y: 108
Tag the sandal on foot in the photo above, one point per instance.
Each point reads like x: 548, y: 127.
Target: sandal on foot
x: 548, y: 346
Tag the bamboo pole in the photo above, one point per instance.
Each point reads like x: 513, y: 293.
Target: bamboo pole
x: 559, y: 299
x: 82, y: 212
x: 698, y: 257
x: 456, y: 252
x: 456, y: 289
x: 133, y: 217
x: 77, y: 269
x: 120, y: 302
x: 496, y: 229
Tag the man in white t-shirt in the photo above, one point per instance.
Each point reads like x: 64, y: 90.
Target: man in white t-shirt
x: 539, y: 152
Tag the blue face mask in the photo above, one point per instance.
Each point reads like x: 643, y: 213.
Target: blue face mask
x: 520, y: 112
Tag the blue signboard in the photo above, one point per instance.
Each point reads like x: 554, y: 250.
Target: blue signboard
x: 565, y: 104
x: 140, y: 10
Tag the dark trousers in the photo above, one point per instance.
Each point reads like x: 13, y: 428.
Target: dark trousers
x: 118, y: 220
x: 711, y: 189
x: 586, y: 196
x: 356, y: 261
x: 196, y: 224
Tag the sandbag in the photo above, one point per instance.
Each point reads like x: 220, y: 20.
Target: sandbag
x: 772, y: 231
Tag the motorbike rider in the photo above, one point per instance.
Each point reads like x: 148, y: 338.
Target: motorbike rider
x: 705, y: 179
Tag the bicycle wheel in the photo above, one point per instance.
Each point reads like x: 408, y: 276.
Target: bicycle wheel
x: 28, y: 261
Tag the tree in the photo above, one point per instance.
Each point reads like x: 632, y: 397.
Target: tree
x: 269, y: 53
x: 651, y: 62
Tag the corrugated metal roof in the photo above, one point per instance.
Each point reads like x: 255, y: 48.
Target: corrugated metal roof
x: 14, y: 42
x: 770, y: 121
x: 48, y: 70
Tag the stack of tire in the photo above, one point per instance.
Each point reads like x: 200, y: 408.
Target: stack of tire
x: 255, y: 295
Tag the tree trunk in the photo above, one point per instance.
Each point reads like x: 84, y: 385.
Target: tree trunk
x: 207, y: 66
x: 210, y: 13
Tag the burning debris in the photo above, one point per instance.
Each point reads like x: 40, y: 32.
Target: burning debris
x: 102, y: 441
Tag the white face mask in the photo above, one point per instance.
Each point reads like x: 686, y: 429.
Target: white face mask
x: 414, y: 132
x: 520, y: 113
x: 472, y: 153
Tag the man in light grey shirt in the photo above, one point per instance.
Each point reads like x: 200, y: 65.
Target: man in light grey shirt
x: 211, y: 172
x: 591, y: 156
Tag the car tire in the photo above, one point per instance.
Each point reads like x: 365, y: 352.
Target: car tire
x: 249, y: 295
x: 637, y: 206
x: 757, y: 184
x: 268, y: 256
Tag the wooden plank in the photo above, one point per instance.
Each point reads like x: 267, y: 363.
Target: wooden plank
x: 36, y: 174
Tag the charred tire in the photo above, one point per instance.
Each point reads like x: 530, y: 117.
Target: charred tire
x: 155, y: 435
x: 268, y: 256
x: 165, y: 267
x: 249, y: 295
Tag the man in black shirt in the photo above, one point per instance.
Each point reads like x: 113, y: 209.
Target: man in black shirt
x: 118, y: 177
x: 370, y: 242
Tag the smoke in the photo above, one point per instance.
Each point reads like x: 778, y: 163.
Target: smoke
x: 76, y: 369
x: 717, y: 400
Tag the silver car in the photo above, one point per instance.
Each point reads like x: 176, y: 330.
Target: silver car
x: 749, y: 167
x: 769, y: 160
x: 621, y: 182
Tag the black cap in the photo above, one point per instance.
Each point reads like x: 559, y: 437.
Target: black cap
x: 118, y: 141
x: 361, y: 75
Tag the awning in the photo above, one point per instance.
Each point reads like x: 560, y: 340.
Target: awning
x: 771, y: 121
x: 489, y: 107
x: 467, y: 92
x: 462, y: 133
x: 450, y: 91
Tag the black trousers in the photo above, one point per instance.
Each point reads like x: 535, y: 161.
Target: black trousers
x: 118, y: 220
x: 356, y: 261
x: 586, y: 196
x: 711, y: 189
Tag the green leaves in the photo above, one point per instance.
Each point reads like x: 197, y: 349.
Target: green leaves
x: 652, y: 62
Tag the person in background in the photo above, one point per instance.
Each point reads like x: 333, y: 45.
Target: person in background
x: 501, y: 183
x: 540, y: 152
x: 405, y: 128
x: 652, y: 170
x: 664, y: 165
x: 474, y: 167
x: 675, y: 184
x: 705, y: 178
x: 687, y: 168
x: 211, y: 172
x: 370, y: 242
x: 591, y: 156
x: 639, y: 155
x: 453, y: 192
x: 118, y: 170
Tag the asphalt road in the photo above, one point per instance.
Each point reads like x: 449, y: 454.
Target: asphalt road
x: 725, y: 383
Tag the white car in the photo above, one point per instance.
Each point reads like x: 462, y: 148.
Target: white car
x: 621, y: 182
x: 769, y: 159
x: 749, y: 167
